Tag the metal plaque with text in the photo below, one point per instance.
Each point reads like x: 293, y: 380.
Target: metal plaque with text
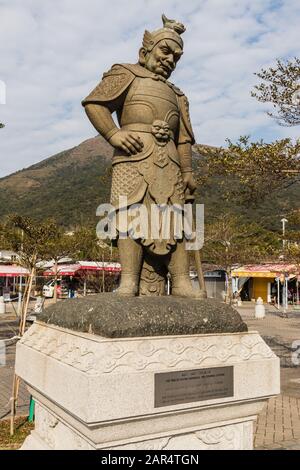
x: 186, y: 386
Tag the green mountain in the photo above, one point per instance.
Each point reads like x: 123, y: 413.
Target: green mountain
x: 70, y: 185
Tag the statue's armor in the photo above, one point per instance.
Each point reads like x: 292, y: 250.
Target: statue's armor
x: 148, y: 100
x: 157, y: 111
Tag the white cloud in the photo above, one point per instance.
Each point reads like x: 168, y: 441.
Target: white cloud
x: 53, y: 52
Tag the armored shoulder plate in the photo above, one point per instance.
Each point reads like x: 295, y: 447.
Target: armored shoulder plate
x: 112, y: 85
x: 177, y: 90
x: 185, y: 115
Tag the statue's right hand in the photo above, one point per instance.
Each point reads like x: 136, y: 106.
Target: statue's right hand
x: 127, y: 141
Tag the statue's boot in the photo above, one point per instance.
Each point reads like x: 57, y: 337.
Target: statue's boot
x: 131, y: 254
x: 182, y: 287
x: 179, y: 269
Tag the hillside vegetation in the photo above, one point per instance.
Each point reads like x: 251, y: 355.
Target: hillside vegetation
x: 70, y: 185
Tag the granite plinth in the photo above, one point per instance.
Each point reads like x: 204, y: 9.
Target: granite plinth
x: 111, y: 316
x: 93, y: 392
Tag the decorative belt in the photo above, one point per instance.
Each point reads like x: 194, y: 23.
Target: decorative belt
x: 160, y: 129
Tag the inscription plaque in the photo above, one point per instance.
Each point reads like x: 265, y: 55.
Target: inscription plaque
x: 186, y: 386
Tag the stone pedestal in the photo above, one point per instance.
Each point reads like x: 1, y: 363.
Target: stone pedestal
x: 93, y: 392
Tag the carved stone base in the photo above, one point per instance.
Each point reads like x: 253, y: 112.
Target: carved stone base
x: 99, y: 393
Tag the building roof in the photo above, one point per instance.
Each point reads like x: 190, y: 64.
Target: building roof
x: 83, y: 267
x: 271, y: 270
x: 12, y: 271
x: 7, y: 255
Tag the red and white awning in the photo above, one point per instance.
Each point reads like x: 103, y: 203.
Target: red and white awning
x: 12, y: 271
x: 63, y: 270
x: 83, y: 267
x: 99, y: 266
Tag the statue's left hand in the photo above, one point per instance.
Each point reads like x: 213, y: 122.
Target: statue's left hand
x: 189, y: 182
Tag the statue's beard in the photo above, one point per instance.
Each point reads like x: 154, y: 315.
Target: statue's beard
x: 167, y: 71
x: 159, y: 69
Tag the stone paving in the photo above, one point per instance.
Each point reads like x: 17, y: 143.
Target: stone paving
x: 8, y: 329
x: 278, y: 425
x: 6, y: 381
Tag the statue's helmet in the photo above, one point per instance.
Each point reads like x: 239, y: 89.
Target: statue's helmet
x: 172, y: 29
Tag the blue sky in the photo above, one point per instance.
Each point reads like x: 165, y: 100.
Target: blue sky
x: 53, y: 52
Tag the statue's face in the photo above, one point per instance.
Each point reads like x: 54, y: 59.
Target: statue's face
x: 163, y: 58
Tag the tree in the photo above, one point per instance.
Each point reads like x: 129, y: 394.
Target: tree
x: 81, y: 244
x: 4, y: 242
x: 230, y: 241
x: 57, y: 247
x: 90, y: 248
x: 291, y: 249
x: 28, y: 239
x: 247, y: 172
x: 35, y: 241
x: 281, y: 88
x: 292, y: 255
x: 1, y: 125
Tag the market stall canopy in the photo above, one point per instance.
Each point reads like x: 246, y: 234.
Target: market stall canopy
x: 50, y: 263
x: 12, y: 271
x: 100, y: 266
x: 63, y: 270
x: 83, y: 267
x: 266, y: 270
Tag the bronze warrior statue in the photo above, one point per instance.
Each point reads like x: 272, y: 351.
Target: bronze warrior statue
x: 152, y: 162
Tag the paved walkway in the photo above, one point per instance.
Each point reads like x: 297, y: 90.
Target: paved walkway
x: 6, y: 381
x: 8, y: 329
x: 278, y: 426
